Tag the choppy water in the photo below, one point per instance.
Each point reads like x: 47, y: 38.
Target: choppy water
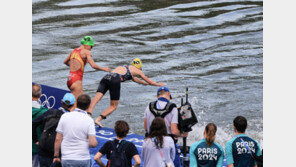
x: 213, y: 47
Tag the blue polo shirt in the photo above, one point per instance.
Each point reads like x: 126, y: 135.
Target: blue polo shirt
x: 203, y: 156
x: 237, y: 154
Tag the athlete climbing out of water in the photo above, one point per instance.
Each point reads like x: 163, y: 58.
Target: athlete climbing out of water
x: 112, y: 82
x: 77, y: 61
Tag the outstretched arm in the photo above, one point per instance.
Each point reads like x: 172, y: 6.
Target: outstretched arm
x: 149, y: 81
x: 137, y: 80
x: 95, y: 66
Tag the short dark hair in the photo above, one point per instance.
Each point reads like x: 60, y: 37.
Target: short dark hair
x: 83, y: 101
x: 240, y: 123
x: 121, y: 128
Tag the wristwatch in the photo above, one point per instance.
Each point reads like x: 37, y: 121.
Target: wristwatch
x: 103, y: 117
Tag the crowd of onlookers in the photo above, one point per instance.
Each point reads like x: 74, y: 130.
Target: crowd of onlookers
x: 62, y: 137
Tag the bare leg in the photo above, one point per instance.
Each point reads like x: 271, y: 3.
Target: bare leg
x: 108, y: 111
x: 94, y: 101
x: 77, y: 90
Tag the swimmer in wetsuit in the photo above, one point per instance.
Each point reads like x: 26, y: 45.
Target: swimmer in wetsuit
x: 77, y: 61
x: 112, y: 83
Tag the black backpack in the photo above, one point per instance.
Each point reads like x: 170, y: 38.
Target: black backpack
x: 118, y: 157
x: 161, y: 112
x: 48, y: 135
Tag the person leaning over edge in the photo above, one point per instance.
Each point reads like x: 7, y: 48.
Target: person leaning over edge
x: 121, y: 129
x: 37, y: 110
x: 50, y: 118
x: 112, y: 82
x: 158, y: 148
x: 237, y: 149
x: 206, y: 152
x: 77, y: 61
x: 75, y: 134
x: 168, y: 111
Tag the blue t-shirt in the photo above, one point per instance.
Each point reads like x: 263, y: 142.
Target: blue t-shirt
x: 237, y: 154
x: 203, y: 156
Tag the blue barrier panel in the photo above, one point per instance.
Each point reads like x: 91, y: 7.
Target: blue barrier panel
x: 51, y: 98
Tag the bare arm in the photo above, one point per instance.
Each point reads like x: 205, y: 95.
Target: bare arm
x: 137, y: 160
x: 149, y: 81
x: 145, y: 124
x: 94, y: 65
x: 175, y: 130
x: 57, y: 146
x: 66, y: 61
x: 97, y: 158
x: 92, y: 141
x: 231, y: 165
x: 137, y: 80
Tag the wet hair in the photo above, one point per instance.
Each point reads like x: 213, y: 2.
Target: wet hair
x: 36, y: 91
x: 121, y: 128
x: 158, y: 130
x: 240, y: 123
x: 83, y: 101
x: 211, y: 130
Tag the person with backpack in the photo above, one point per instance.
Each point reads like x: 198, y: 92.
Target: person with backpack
x: 119, y: 152
x: 49, y: 121
x: 206, y: 152
x: 158, y: 148
x: 240, y: 150
x: 37, y: 110
x: 163, y: 108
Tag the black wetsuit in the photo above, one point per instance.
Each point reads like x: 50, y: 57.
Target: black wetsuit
x: 112, y: 83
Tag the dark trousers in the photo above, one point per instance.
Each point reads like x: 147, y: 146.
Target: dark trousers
x: 45, y: 161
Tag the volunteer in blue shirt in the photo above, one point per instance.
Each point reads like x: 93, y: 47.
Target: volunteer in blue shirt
x: 239, y: 150
x: 206, y: 152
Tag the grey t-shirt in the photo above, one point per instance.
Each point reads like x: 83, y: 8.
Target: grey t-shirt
x: 172, y: 117
x: 151, y: 156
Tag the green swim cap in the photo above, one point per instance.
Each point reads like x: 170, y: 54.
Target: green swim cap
x: 87, y: 40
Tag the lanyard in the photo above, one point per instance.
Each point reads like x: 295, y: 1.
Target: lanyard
x: 246, y: 147
x: 155, y: 141
x: 159, y: 107
x: 79, y: 110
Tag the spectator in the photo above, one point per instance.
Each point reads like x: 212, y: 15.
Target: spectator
x: 49, y: 121
x: 37, y: 110
x: 75, y: 134
x: 206, y: 152
x: 126, y: 148
x: 239, y: 149
x: 168, y: 111
x: 158, y: 148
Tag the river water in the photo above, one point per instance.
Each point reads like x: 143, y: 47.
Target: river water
x: 213, y: 47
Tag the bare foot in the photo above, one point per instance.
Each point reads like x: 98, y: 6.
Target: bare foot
x: 98, y: 123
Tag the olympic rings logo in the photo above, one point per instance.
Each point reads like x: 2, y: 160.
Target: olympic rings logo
x: 49, y: 102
